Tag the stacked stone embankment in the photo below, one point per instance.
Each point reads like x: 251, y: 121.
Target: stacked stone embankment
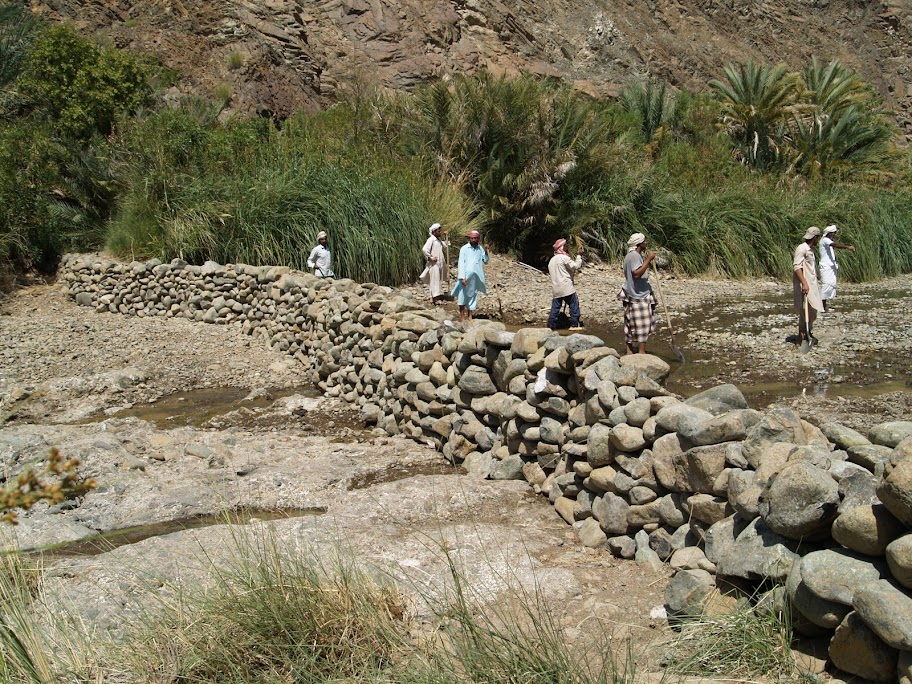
x: 730, y: 498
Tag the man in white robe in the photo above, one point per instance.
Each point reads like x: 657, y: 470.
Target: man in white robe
x: 434, y: 251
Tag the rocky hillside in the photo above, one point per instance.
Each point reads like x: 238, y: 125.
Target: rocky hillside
x: 280, y: 55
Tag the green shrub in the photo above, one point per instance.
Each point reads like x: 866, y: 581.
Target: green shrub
x: 750, y: 642
x: 54, y: 195
x: 235, y: 61
x: 651, y: 103
x: 223, y: 93
x: 18, y: 27
x: 823, y: 123
x: 83, y: 87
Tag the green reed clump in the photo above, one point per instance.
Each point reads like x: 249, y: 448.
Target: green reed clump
x: 751, y: 227
x: 41, y: 641
x: 253, y: 194
x: 751, y: 642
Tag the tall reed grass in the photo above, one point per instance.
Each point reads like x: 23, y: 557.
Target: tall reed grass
x: 260, y: 196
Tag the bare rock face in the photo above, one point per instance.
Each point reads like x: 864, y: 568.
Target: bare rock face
x: 297, y: 54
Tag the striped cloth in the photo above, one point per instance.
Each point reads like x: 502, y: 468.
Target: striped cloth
x: 639, y: 317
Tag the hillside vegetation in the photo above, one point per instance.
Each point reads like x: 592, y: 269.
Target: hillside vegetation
x: 726, y: 181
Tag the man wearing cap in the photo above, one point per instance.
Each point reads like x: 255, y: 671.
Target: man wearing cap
x: 804, y: 284
x: 471, y: 278
x: 434, y: 251
x: 636, y: 295
x: 320, y: 260
x: 828, y: 265
x: 562, y: 268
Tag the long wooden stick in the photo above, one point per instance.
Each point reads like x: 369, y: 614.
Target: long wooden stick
x: 674, y: 348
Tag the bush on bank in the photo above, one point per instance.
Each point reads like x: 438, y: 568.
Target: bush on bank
x: 61, y: 94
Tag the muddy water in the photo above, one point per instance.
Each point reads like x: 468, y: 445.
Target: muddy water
x: 195, y: 408
x: 108, y: 541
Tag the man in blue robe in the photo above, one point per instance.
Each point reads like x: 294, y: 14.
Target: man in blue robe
x: 471, y: 278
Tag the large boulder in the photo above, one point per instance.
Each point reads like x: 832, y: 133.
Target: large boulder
x: 651, y: 366
x: 801, y: 502
x: 873, y: 457
x: 527, y: 341
x: 695, y: 470
x: 600, y: 451
x: 757, y: 553
x: 719, y: 399
x: 721, y: 536
x: 778, y: 425
x: 728, y: 427
x: 842, y: 436
x: 818, y: 611
x: 835, y: 574
x: 687, y: 591
x: 890, y: 434
x: 867, y: 529
x: 627, y: 438
x: 895, y: 491
x: 743, y: 493
x: 476, y: 380
x: 899, y: 558
x: 856, y: 649
x: 611, y: 512
x: 670, y: 417
x: 887, y: 610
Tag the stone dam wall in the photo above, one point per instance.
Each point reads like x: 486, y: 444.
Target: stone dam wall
x: 729, y: 497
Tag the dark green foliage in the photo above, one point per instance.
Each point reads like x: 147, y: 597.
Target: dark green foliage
x: 757, y: 98
x: 60, y: 95
x: 842, y: 133
x: 726, y: 182
x: 823, y: 123
x: 82, y: 86
x: 17, y: 27
x: 514, y: 145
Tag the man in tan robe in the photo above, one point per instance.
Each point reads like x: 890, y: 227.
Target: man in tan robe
x: 804, y: 284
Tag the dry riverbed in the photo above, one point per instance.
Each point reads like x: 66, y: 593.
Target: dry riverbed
x: 180, y: 421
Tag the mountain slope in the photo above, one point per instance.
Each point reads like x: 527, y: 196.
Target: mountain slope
x: 293, y: 53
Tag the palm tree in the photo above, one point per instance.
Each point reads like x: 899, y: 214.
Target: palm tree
x: 842, y: 131
x: 849, y: 143
x: 511, y: 143
x: 757, y: 101
x: 650, y: 102
x: 833, y: 88
x: 18, y: 26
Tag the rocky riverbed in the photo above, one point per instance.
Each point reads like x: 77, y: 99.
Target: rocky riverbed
x: 178, y: 420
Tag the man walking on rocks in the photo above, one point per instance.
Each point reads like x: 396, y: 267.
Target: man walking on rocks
x: 562, y: 269
x: 828, y: 265
x: 636, y: 295
x: 434, y: 251
x: 804, y: 284
x: 320, y: 260
x: 471, y: 278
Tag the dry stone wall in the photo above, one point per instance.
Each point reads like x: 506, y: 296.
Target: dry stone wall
x: 727, y: 496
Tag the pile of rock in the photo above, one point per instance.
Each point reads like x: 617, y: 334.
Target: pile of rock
x: 727, y: 496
